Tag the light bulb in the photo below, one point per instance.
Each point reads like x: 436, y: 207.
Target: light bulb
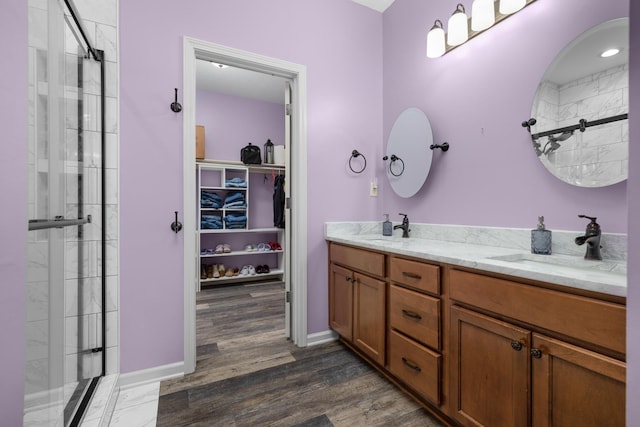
x: 483, y: 14
x: 435, y: 40
x: 458, y: 27
x: 508, y: 7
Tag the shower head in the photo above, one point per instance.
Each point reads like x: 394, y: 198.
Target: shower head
x: 553, y: 143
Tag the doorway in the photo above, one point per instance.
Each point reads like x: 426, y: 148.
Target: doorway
x: 295, y: 161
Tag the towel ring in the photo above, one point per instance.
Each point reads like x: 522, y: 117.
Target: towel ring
x: 393, y: 159
x: 354, y: 154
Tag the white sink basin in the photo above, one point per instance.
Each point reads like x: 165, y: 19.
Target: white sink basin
x: 564, y: 263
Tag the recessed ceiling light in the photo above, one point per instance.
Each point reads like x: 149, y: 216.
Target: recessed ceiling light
x: 215, y: 64
x: 609, y: 52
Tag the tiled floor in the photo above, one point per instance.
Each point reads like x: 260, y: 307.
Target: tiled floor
x: 136, y: 406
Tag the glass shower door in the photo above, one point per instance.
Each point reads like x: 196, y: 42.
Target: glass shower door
x: 64, y: 326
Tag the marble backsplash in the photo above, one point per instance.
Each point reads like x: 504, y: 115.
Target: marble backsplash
x: 614, y: 246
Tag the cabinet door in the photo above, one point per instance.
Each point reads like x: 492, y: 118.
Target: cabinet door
x: 490, y: 370
x: 341, y: 301
x: 573, y: 386
x: 369, y: 316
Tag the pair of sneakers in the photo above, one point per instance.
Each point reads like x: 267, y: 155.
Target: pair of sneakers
x: 223, y: 248
x: 262, y: 269
x: 248, y: 270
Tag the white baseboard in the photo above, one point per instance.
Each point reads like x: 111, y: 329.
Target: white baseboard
x: 145, y: 376
x: 321, y: 337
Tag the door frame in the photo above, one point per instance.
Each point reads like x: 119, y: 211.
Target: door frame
x: 197, y: 49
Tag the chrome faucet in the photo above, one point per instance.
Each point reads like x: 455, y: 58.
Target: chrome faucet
x: 591, y: 238
x: 404, y: 226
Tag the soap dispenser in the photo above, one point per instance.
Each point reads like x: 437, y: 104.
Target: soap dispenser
x: 387, y: 227
x: 541, y: 239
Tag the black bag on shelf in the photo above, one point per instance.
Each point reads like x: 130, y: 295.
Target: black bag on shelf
x: 250, y: 155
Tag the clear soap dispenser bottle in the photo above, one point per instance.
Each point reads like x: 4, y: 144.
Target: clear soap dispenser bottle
x: 387, y: 227
x: 541, y: 239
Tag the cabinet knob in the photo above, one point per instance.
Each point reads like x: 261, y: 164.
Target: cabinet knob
x: 516, y: 345
x: 349, y: 279
x: 536, y: 353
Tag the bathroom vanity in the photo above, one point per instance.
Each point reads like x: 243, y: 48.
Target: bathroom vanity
x: 472, y: 332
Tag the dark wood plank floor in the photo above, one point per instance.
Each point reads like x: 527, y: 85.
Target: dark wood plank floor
x: 248, y: 374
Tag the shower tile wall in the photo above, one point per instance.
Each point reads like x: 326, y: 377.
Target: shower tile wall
x: 593, y: 97
x: 100, y: 18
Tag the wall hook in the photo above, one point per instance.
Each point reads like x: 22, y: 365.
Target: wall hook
x: 444, y: 146
x: 176, y: 225
x: 354, y: 154
x: 175, y: 105
x: 528, y: 123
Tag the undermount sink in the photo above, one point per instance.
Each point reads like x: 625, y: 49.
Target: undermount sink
x: 564, y: 263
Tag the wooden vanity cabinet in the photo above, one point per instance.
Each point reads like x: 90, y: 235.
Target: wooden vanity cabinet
x: 523, y: 355
x: 357, y: 300
x: 415, y: 326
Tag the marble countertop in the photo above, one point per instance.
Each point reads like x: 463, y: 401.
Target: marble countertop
x: 607, y: 276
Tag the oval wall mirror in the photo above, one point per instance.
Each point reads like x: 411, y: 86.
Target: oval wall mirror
x: 581, y: 132
x: 408, y: 158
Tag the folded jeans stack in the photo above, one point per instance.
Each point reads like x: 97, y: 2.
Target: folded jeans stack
x: 211, y: 222
x: 235, y: 183
x: 235, y: 221
x: 210, y: 200
x: 235, y: 200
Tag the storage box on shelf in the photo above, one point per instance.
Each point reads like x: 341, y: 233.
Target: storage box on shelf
x: 230, y: 249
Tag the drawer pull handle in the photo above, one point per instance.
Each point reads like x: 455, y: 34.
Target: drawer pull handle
x: 411, y: 365
x: 349, y: 279
x: 516, y: 345
x: 411, y: 275
x: 411, y: 314
x: 535, y: 352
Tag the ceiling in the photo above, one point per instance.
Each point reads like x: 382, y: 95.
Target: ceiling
x: 379, y: 5
x: 252, y: 84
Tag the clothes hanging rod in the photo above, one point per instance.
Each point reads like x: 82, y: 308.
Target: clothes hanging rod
x: 97, y: 55
x: 582, y: 125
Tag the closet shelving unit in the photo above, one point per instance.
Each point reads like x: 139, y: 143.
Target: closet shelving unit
x: 211, y: 177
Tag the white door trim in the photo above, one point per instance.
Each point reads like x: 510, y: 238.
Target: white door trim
x: 192, y: 49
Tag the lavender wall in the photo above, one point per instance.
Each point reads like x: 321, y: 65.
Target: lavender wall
x: 231, y: 122
x: 476, y: 97
x: 633, y: 195
x: 13, y: 223
x: 340, y: 44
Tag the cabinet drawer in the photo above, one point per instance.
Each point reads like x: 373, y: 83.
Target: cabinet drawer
x: 588, y: 319
x: 359, y: 259
x: 415, y: 314
x: 415, y: 365
x: 418, y: 275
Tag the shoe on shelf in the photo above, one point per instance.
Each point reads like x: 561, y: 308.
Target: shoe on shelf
x: 259, y: 269
x: 203, y: 271
x: 219, y: 249
x: 215, y: 272
x: 210, y: 271
x: 226, y: 248
x: 263, y: 247
x: 244, y: 271
x: 266, y: 269
x: 251, y: 270
x: 229, y: 272
x: 275, y: 246
x: 249, y: 248
x: 236, y: 271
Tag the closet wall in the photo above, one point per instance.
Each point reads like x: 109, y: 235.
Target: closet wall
x: 231, y: 122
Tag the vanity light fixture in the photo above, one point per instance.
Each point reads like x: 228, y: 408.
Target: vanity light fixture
x: 458, y: 29
x: 484, y: 14
x: 507, y: 7
x: 435, y: 40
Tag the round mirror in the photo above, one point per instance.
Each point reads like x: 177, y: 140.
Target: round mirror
x: 581, y: 132
x: 408, y: 158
